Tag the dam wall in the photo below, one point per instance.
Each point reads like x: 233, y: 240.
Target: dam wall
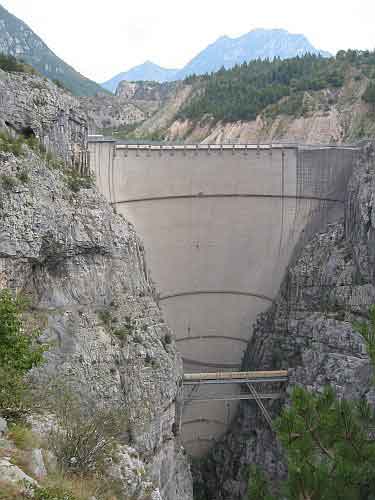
x: 220, y: 225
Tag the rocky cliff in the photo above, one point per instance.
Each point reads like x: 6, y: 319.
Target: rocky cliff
x: 309, y: 331
x: 34, y: 106
x: 134, y: 103
x: 84, y: 271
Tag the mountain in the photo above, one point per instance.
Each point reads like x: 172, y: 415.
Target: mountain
x: 148, y: 71
x: 257, y: 44
x: 227, y: 52
x: 18, y: 40
x: 307, y: 99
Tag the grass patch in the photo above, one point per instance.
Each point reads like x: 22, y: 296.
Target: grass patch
x: 9, y: 491
x: 76, y: 182
x: 60, y: 486
x: 23, y: 437
x: 9, y: 144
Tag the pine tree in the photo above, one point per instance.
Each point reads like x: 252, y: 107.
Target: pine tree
x: 330, y: 448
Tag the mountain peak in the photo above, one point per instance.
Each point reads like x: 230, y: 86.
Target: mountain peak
x: 260, y: 43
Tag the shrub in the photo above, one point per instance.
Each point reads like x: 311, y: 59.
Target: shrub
x: 9, y: 144
x: 168, y: 339
x: 18, y: 351
x: 10, y: 64
x: 22, y: 436
x: 257, y: 487
x: 369, y: 94
x: 23, y: 177
x: 76, y: 182
x: 125, y: 330
x: 53, y: 493
x: 367, y: 330
x: 59, y: 84
x: 84, y: 437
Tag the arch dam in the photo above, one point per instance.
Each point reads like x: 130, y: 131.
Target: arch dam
x: 220, y: 225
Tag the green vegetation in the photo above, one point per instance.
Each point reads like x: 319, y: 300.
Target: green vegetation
x: 367, y: 330
x: 243, y: 92
x: 53, y: 493
x: 369, y: 94
x: 10, y: 64
x: 59, y: 84
x: 16, y: 145
x: 84, y: 438
x: 22, y: 436
x: 18, y: 351
x: 9, y: 144
x: 257, y: 487
x: 76, y: 182
x: 330, y: 449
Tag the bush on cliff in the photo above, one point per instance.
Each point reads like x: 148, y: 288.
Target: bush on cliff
x: 369, y: 94
x: 18, y: 351
x: 330, y: 448
x: 10, y: 64
x: 367, y: 330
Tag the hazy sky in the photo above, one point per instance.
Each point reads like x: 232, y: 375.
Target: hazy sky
x: 103, y: 37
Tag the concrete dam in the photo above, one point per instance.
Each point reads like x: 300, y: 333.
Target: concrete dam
x: 220, y: 225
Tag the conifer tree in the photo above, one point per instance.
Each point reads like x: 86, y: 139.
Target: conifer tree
x: 330, y: 448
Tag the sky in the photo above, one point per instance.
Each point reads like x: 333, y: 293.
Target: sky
x: 101, y: 38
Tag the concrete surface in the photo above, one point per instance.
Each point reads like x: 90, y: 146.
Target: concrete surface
x: 220, y: 225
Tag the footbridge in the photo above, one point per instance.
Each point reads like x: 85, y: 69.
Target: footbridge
x: 220, y: 225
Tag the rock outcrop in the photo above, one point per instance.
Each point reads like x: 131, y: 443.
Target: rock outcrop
x: 134, y: 103
x: 34, y: 106
x: 309, y: 331
x: 111, y: 112
x: 84, y: 271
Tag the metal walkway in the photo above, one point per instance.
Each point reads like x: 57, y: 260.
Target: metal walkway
x: 254, y: 385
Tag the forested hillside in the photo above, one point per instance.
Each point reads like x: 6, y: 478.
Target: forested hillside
x: 241, y: 93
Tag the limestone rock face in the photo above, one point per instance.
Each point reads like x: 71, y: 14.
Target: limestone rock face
x: 34, y: 105
x: 84, y: 270
x: 309, y: 331
x: 13, y: 474
x: 133, y: 103
x: 109, y: 111
x: 3, y: 427
x: 145, y: 91
x: 37, y: 463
